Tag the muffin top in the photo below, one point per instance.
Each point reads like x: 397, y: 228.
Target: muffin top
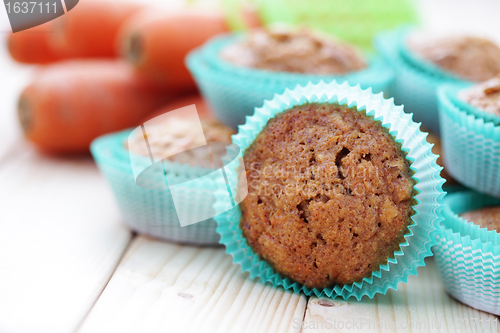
x: 177, y: 134
x: 471, y: 58
x: 484, y: 96
x: 330, y: 195
x: 485, y: 217
x: 283, y: 49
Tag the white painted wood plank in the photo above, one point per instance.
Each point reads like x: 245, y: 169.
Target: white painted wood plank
x: 419, y: 306
x: 162, y: 287
x: 60, y: 233
x: 60, y: 240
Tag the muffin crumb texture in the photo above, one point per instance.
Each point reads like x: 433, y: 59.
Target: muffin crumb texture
x: 485, y: 217
x: 167, y: 137
x: 285, y: 50
x: 471, y: 58
x: 330, y: 195
x: 484, y: 96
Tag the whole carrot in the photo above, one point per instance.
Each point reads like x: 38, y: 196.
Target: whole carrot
x: 33, y: 45
x: 71, y: 103
x: 157, y: 43
x: 91, y: 28
x: 180, y: 102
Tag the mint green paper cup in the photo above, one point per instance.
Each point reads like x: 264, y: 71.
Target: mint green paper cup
x: 234, y: 92
x: 152, y: 211
x: 423, y: 228
x: 416, y: 79
x: 468, y: 256
x: 471, y: 144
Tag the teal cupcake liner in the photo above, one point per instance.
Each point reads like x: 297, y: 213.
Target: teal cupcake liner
x: 234, y: 92
x: 152, y: 211
x: 468, y: 256
x: 452, y: 188
x: 471, y: 145
x: 452, y: 90
x: 425, y: 222
x: 416, y: 79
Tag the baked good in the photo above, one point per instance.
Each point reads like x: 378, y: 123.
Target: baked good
x: 283, y: 49
x: 485, y: 96
x: 470, y: 142
x: 330, y: 195
x: 471, y: 58
x: 166, y: 138
x: 438, y: 150
x: 488, y: 217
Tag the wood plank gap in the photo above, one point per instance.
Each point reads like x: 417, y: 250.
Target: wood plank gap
x: 305, y: 311
x: 118, y: 262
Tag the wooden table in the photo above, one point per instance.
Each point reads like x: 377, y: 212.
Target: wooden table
x: 67, y: 263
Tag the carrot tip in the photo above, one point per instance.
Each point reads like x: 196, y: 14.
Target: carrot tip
x: 133, y: 48
x: 59, y: 27
x: 24, y: 114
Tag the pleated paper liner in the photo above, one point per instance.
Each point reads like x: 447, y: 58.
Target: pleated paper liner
x: 423, y: 228
x: 234, y: 92
x: 468, y: 256
x: 416, y: 79
x: 471, y: 144
x: 451, y: 92
x: 152, y: 211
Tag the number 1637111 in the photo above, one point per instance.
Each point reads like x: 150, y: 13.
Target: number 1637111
x: 31, y: 7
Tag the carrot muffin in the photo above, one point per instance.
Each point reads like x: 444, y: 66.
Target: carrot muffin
x: 438, y: 150
x: 485, y: 217
x: 484, y: 96
x: 330, y: 195
x: 176, y: 134
x: 471, y: 58
x: 285, y: 50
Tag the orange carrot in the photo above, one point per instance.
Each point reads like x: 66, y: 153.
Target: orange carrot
x: 91, y: 28
x: 251, y: 17
x: 180, y: 102
x: 157, y: 43
x: 33, y: 46
x: 71, y: 103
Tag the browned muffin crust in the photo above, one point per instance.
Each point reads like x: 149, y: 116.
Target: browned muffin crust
x: 282, y: 49
x: 330, y: 195
x: 485, y: 217
x: 472, y: 58
x: 168, y: 137
x: 484, y: 96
